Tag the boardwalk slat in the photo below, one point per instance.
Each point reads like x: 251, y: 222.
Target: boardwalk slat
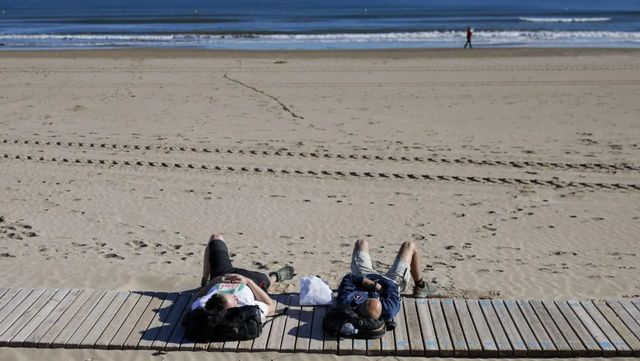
x: 277, y: 329
x: 592, y: 329
x: 563, y: 348
x: 619, y: 326
x: 92, y: 318
x: 61, y: 336
x: 291, y: 325
x: 260, y: 343
x: 3, y: 290
x: 561, y: 307
x: 629, y: 321
x: 488, y: 345
x: 101, y: 324
x: 548, y: 347
x: 118, y: 340
x: 5, y: 299
x: 56, y: 322
x: 605, y: 327
x: 8, y: 311
x: 26, y: 316
x: 499, y: 335
x: 18, y: 312
x: 345, y: 346
x: 359, y: 347
x: 632, y: 308
x: 455, y: 328
x: 413, y: 327
x: 374, y: 347
x: 39, y: 318
x: 149, y: 314
x: 519, y: 347
x: 426, y: 326
x: 440, y: 325
x: 523, y: 328
x: 158, y: 320
x: 118, y: 321
x: 171, y: 321
x: 177, y: 335
x: 187, y: 344
x: 468, y: 328
x: 387, y: 343
x: 304, y: 329
x: 317, y: 335
x: 403, y: 347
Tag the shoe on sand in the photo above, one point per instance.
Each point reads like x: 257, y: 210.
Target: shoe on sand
x: 283, y: 274
x: 423, y: 292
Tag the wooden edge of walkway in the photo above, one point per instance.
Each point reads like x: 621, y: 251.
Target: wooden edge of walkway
x: 145, y: 320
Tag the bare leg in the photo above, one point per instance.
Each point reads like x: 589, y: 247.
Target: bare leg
x: 361, y: 245
x: 409, y: 253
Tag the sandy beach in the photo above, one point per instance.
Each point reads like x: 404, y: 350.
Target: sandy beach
x: 516, y: 171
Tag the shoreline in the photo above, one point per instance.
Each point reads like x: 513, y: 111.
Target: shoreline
x: 408, y: 53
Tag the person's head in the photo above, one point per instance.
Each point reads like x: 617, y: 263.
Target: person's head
x: 370, y: 308
x: 219, y: 302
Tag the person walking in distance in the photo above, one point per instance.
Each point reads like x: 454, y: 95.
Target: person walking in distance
x: 469, y: 35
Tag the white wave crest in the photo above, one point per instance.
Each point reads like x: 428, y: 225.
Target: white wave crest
x: 563, y: 20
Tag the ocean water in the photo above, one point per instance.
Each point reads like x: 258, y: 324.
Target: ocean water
x: 317, y: 24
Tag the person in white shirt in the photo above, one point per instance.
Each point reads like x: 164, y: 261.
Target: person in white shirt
x: 226, y: 286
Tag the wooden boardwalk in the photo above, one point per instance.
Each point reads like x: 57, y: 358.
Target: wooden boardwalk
x: 87, y: 318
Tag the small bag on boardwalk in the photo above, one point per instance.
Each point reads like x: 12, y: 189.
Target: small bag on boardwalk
x: 234, y: 324
x: 335, y: 323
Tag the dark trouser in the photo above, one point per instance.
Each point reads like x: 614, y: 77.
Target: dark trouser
x: 220, y: 264
x: 468, y: 43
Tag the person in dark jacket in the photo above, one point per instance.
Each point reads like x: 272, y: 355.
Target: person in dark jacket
x: 469, y: 36
x: 375, y: 295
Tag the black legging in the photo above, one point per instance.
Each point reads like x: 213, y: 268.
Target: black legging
x: 220, y: 264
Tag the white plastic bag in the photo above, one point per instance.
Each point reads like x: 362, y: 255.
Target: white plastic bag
x: 314, y: 291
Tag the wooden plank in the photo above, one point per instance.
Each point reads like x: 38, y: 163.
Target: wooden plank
x: 560, y: 311
x: 563, y: 348
x: 523, y: 328
x: 92, y: 318
x: 374, y: 347
x: 118, y: 340
x: 189, y: 345
x: 605, y: 327
x: 103, y: 321
x: 359, y: 346
x: 157, y: 321
x: 55, y: 323
x: 150, y: 314
x: 171, y: 322
x: 13, y: 330
x: 39, y: 318
x: 304, y: 329
x: 14, y: 302
x: 455, y: 328
x: 7, y: 296
x: 387, y: 343
x: 426, y: 326
x: 3, y: 290
x: 403, y: 347
x: 608, y: 349
x: 21, y: 308
x: 628, y: 320
x: 499, y: 335
x: 118, y: 321
x: 345, y: 346
x: 440, y: 325
x: 260, y: 343
x: 316, y: 344
x: 619, y: 326
x: 517, y: 343
x: 74, y: 323
x: 468, y: 328
x: 544, y: 340
x: 631, y: 309
x: 177, y: 336
x: 277, y: 329
x: 291, y: 325
x: 414, y: 334
x: 488, y: 345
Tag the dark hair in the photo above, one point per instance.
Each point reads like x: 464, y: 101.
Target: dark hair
x: 216, y: 303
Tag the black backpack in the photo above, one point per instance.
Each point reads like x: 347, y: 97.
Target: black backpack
x: 233, y: 324
x: 341, y: 314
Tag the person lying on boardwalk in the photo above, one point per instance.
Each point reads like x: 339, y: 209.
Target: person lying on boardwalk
x: 374, y: 295
x: 225, y: 286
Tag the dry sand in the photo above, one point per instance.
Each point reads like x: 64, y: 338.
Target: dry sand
x: 491, y: 226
